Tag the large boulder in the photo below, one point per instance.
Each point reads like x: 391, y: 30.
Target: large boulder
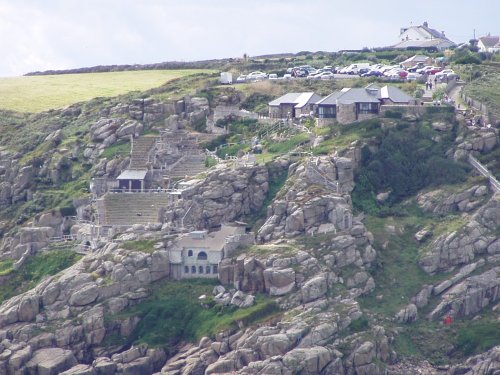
x: 51, y: 361
x: 307, y: 361
x: 279, y: 282
x: 314, y: 288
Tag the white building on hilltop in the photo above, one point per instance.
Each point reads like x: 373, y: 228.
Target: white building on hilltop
x: 422, y: 36
x: 199, y: 253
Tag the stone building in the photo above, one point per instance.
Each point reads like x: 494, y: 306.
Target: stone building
x: 293, y: 105
x: 355, y: 104
x: 199, y: 253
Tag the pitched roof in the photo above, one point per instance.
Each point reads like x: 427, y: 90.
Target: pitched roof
x: 490, y: 41
x: 370, y: 94
x: 300, y: 99
x: 394, y: 94
x: 423, y: 43
x: 416, y: 59
x: 349, y: 96
x: 131, y: 174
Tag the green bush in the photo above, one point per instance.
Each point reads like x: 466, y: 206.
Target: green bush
x: 35, y: 269
x: 478, y: 337
x: 174, y: 314
x: 407, y: 160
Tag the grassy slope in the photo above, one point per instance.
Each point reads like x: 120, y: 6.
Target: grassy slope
x: 486, y: 88
x: 34, y: 270
x: 39, y: 93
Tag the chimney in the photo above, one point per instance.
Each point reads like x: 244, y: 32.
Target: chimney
x: 442, y: 32
x: 426, y: 24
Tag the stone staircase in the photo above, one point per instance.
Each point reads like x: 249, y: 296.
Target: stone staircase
x: 190, y: 165
x: 141, y: 151
x: 131, y: 208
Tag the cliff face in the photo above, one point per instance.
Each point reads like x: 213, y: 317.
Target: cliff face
x: 325, y: 290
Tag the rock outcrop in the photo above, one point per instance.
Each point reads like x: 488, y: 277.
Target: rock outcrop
x: 223, y: 196
x: 314, y: 200
x: 477, y: 237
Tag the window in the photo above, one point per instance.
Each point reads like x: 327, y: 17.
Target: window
x: 200, y: 269
x: 366, y: 108
x: 202, y: 255
x: 186, y: 269
x: 190, y: 253
x: 329, y: 111
x: 193, y: 269
x: 207, y: 269
x: 214, y: 269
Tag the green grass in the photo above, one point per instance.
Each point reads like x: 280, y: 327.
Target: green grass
x: 441, y: 344
x: 173, y: 314
x: 146, y: 246
x: 35, y: 269
x: 288, y: 145
x: 486, y: 88
x: 6, y: 267
x: 41, y: 93
x: 120, y: 148
x: 396, y: 272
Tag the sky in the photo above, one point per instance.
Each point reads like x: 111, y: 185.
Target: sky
x: 37, y: 35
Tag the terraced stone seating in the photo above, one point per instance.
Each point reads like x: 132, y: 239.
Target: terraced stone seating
x: 141, y: 148
x: 131, y: 208
x: 190, y: 165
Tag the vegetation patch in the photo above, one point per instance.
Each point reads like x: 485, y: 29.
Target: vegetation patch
x: 288, y: 145
x: 408, y: 159
x: 35, y: 269
x: 44, y: 92
x: 6, y: 267
x: 146, y: 246
x: 174, y: 314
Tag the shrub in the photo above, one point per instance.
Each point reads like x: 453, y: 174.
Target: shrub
x: 478, y: 337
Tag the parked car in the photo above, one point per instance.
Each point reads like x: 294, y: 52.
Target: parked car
x: 414, y: 68
x: 424, y: 69
x: 326, y: 75
x: 273, y: 76
x: 287, y: 76
x: 256, y: 76
x: 412, y: 76
x: 328, y: 68
x: 372, y: 73
x: 241, y: 79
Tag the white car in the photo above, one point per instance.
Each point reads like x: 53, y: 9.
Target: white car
x: 273, y: 76
x: 327, y: 75
x: 256, y: 76
x: 241, y: 79
x: 412, y: 76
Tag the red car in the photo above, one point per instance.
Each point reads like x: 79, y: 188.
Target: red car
x: 434, y: 70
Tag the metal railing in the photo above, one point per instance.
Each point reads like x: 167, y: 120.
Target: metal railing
x: 495, y: 185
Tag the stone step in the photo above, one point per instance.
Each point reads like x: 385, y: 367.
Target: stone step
x: 133, y: 208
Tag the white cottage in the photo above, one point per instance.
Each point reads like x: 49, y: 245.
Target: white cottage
x: 199, y: 253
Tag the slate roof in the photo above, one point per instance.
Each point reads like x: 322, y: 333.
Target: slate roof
x: 422, y: 43
x: 370, y: 94
x: 131, y: 174
x: 394, y: 94
x: 416, y: 59
x: 490, y: 41
x: 300, y: 99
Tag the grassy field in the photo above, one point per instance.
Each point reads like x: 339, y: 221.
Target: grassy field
x: 39, y: 93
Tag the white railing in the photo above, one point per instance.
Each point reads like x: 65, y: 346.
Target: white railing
x: 166, y: 191
x: 495, y: 185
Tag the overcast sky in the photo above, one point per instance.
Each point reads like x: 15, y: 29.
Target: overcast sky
x: 61, y: 34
